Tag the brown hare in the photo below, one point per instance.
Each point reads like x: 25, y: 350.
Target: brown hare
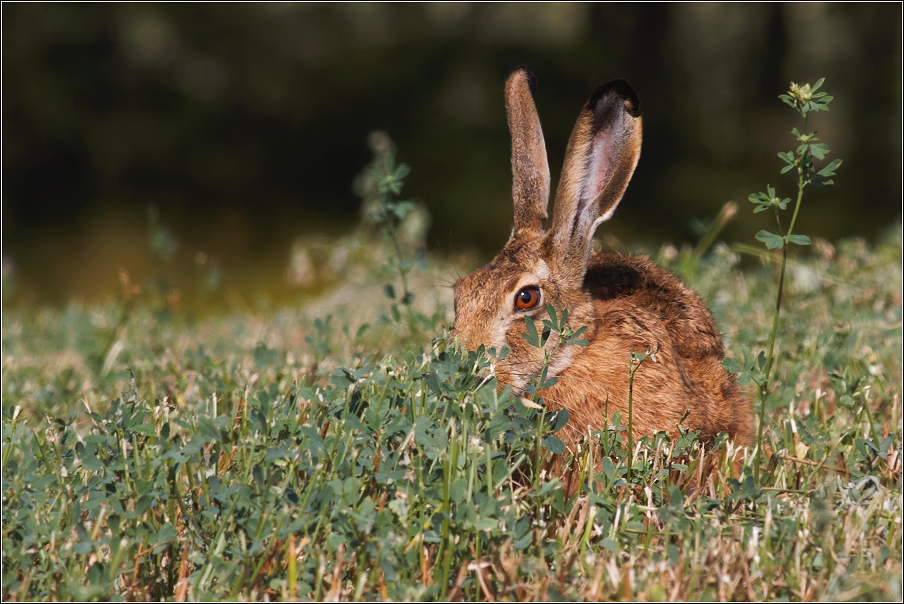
x: 628, y: 303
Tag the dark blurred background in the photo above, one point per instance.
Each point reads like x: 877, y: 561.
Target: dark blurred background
x: 245, y: 124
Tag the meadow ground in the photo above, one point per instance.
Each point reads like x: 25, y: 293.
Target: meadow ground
x: 344, y: 448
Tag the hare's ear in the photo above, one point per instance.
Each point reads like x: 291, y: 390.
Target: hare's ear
x: 530, y: 169
x: 601, y: 156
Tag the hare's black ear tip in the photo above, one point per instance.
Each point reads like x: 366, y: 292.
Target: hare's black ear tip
x: 531, y: 78
x: 620, y: 89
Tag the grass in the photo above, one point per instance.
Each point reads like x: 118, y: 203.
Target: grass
x: 331, y: 452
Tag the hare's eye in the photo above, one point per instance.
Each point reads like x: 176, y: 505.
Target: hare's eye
x: 527, y: 298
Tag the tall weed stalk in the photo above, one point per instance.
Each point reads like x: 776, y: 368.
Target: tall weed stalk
x: 804, y: 99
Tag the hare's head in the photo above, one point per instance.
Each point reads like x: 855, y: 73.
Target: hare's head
x: 539, y: 267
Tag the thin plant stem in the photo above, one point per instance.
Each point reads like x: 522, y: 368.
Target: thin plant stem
x: 764, y: 387
x: 403, y: 274
x: 635, y: 365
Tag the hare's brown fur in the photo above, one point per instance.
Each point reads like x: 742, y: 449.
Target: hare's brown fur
x: 639, y: 306
x: 628, y: 303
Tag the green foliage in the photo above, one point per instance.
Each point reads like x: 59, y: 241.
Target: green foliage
x: 379, y: 464
x: 211, y: 464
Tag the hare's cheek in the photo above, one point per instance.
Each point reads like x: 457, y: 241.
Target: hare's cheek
x: 510, y: 372
x: 562, y: 361
x: 496, y: 332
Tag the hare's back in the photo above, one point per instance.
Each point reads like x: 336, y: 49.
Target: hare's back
x: 641, y: 305
x: 632, y: 291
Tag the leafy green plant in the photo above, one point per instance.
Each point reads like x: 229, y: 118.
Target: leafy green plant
x: 379, y: 185
x: 804, y: 99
